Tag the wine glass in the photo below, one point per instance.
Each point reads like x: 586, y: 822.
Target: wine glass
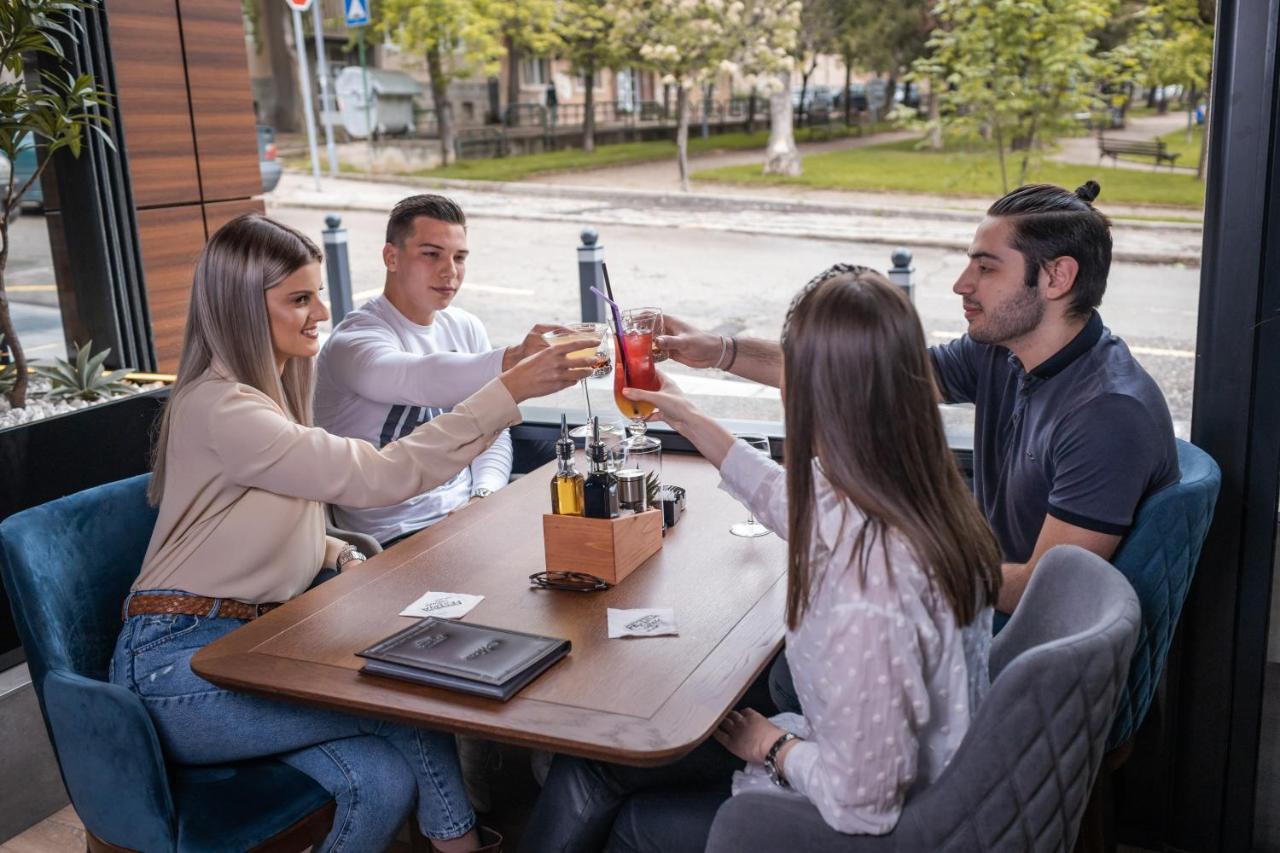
x: 592, y: 336
x: 635, y: 369
x: 752, y: 528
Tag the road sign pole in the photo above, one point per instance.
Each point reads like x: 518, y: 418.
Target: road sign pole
x: 326, y: 100
x: 305, y: 74
x: 364, y: 82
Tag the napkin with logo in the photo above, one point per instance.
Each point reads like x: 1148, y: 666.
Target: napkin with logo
x: 643, y: 622
x: 446, y: 605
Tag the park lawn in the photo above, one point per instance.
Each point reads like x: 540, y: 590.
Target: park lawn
x: 523, y: 166
x: 1176, y: 142
x: 901, y: 167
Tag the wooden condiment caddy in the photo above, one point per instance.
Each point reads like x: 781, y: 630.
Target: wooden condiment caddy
x: 609, y: 548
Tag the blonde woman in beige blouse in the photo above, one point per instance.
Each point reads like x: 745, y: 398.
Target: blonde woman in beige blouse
x: 241, y: 477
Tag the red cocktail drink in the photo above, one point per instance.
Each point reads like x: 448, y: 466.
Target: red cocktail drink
x: 640, y: 373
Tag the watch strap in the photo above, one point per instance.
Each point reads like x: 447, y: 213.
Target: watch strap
x: 771, y: 760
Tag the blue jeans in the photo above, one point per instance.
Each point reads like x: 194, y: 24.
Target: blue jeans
x: 374, y: 769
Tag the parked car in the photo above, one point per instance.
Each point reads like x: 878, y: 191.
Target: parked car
x: 268, y: 165
x: 816, y: 99
x: 857, y: 95
x: 23, y: 169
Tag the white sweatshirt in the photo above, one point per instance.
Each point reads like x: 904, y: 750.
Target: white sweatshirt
x: 380, y: 375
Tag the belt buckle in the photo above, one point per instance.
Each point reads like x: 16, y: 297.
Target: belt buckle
x: 260, y: 610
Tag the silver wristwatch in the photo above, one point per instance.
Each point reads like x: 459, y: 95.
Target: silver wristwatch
x: 771, y: 761
x: 481, y: 492
x: 349, y: 554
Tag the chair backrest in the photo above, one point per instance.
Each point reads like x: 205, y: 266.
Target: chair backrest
x: 1159, y: 558
x: 1021, y: 778
x: 67, y: 566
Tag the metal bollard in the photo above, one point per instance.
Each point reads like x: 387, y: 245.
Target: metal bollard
x: 901, y: 272
x: 590, y: 274
x: 338, y: 267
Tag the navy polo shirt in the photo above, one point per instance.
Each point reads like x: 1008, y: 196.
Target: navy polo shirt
x: 1084, y: 437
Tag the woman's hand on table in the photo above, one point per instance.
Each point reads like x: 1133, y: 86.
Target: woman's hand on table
x: 547, y: 371
x: 747, y: 734
x: 712, y: 440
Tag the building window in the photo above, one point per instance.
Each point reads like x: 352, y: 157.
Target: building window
x: 535, y: 72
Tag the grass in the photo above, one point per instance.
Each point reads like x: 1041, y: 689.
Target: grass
x: 524, y: 166
x: 901, y: 167
x: 1176, y: 142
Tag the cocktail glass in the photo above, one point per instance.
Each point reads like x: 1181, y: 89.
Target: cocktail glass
x: 635, y: 369
x: 593, y: 340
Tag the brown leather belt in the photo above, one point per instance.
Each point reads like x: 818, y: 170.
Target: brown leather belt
x: 183, y: 604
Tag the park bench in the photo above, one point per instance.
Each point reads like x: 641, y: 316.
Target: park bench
x: 1154, y: 148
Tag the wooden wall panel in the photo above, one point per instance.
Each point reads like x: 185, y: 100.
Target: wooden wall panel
x: 220, y: 213
x: 146, y: 49
x: 170, y: 239
x: 221, y: 99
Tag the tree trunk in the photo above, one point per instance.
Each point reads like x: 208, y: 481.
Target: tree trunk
x: 848, y: 84
x: 935, y: 117
x: 589, y: 110
x: 804, y: 93
x: 999, y: 137
x: 18, y: 394
x: 682, y: 135
x: 751, y: 111
x: 513, y: 74
x: 285, y: 112
x: 781, y: 157
x: 444, y: 110
x: 1203, y: 163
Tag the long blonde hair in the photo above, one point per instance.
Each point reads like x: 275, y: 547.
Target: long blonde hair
x: 859, y: 385
x: 227, y: 321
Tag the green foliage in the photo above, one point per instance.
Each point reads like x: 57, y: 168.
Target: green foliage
x: 903, y: 167
x: 1015, y: 69
x: 85, y: 379
x: 529, y: 24
x: 1162, y: 43
x: 466, y: 34
x: 587, y: 35
x: 8, y: 374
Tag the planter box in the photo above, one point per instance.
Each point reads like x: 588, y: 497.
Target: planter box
x: 64, y: 454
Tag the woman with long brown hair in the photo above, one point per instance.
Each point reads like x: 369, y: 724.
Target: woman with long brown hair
x: 241, y: 477
x: 892, y: 574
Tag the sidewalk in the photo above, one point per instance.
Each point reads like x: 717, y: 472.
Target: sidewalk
x: 890, y: 219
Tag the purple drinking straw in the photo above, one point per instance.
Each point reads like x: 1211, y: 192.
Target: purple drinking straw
x: 617, y: 333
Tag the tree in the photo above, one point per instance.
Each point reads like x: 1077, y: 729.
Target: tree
x: 528, y: 29
x: 764, y: 55
x: 686, y: 41
x: 815, y: 36
x: 458, y: 38
x: 1016, y: 70
x: 587, y: 31
x: 48, y: 104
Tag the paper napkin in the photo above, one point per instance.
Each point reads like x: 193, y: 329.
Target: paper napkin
x: 644, y: 622
x: 446, y: 605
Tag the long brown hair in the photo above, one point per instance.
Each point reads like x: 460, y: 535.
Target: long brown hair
x: 860, y: 397
x: 227, y: 321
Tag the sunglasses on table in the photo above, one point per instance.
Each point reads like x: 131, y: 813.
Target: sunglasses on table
x: 569, y: 581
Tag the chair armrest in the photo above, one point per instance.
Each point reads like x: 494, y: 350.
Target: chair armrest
x: 111, y: 761
x: 366, y: 543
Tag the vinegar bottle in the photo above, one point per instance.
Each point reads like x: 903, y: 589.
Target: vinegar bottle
x: 566, y: 485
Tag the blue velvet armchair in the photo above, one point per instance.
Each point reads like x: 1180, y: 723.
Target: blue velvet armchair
x: 67, y: 566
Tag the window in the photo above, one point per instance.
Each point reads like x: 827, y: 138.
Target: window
x: 535, y: 72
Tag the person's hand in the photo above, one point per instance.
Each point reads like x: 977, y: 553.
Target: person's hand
x: 748, y: 735
x: 547, y: 371
x: 533, y: 343
x: 689, y: 345
x: 672, y: 405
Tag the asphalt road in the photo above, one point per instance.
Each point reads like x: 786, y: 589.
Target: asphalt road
x: 523, y: 272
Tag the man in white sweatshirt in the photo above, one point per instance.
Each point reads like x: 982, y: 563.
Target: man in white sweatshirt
x: 405, y: 357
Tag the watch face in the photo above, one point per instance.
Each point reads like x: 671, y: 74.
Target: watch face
x: 481, y: 493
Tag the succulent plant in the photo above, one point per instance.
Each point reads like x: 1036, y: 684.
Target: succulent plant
x: 85, y: 379
x: 8, y: 373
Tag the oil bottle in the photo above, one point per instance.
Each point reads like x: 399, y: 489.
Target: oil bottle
x: 566, y: 485
x: 600, y: 491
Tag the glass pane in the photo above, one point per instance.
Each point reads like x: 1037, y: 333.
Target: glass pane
x: 1266, y: 824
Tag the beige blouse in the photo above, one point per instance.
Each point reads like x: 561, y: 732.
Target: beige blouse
x: 245, y: 486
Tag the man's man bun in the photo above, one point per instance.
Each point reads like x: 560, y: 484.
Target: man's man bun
x: 1088, y: 191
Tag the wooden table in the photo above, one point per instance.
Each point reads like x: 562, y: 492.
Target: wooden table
x: 638, y: 701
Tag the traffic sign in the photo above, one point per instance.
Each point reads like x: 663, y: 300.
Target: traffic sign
x: 357, y: 13
x: 299, y: 5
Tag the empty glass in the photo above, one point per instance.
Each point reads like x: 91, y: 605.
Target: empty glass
x: 752, y: 528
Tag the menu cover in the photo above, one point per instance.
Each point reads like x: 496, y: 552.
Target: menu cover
x: 478, y: 659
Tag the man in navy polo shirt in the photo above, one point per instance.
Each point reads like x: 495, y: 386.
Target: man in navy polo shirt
x: 1071, y: 433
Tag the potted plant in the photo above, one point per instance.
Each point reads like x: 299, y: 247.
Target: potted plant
x: 40, y: 101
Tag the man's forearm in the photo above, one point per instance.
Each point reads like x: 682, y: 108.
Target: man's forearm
x: 758, y: 360
x: 1016, y: 576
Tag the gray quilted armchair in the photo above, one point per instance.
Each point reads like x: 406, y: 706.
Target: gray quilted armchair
x: 1021, y: 778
